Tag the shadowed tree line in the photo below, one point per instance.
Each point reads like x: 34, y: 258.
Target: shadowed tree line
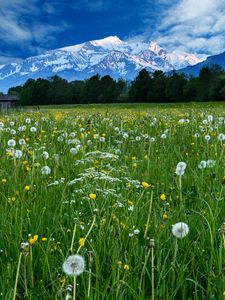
x: 147, y: 87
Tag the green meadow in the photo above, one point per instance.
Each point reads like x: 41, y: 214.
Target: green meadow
x: 104, y: 182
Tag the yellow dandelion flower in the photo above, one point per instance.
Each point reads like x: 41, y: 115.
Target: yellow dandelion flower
x: 165, y: 216
x: 92, y: 196
x: 126, y: 267
x: 33, y: 240
x: 145, y: 184
x: 119, y: 263
x: 163, y: 197
x: 44, y: 239
x: 27, y: 188
x: 4, y: 180
x: 82, y: 242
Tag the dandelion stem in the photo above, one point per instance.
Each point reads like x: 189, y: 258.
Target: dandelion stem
x: 89, y: 231
x: 143, y: 269
x: 73, y: 237
x: 89, y: 283
x: 175, y: 251
x: 180, y: 188
x: 25, y: 275
x: 74, y: 287
x: 149, y: 215
x: 17, y: 276
x: 31, y: 267
x: 153, y: 269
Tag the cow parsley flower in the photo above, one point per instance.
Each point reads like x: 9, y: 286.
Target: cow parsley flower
x: 136, y: 231
x: 74, y: 265
x: 180, y: 230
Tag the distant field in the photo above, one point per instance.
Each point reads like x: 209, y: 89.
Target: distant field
x: 140, y: 106
x: 105, y: 181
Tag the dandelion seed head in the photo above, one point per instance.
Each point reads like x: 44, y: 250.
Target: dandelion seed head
x: 180, y: 229
x: 33, y: 129
x: 45, y: 170
x: 74, y: 265
x: 11, y: 143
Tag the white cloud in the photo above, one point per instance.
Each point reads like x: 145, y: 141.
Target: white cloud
x: 196, y: 26
x: 22, y: 25
x: 4, y: 59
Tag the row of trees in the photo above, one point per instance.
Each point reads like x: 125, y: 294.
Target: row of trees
x: 156, y: 87
x: 209, y: 86
x: 57, y: 90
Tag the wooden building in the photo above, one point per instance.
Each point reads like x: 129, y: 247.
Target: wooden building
x: 8, y: 102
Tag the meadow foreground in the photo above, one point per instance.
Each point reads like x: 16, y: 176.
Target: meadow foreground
x: 137, y: 194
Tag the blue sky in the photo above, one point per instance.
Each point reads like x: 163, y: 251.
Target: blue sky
x: 30, y: 28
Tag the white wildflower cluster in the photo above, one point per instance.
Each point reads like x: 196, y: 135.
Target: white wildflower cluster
x: 180, y: 168
x: 134, y: 232
x: 57, y: 182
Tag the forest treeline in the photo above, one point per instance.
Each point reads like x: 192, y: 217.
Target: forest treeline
x: 147, y: 87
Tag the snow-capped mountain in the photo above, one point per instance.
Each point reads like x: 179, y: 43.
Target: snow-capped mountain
x: 218, y: 59
x: 106, y: 56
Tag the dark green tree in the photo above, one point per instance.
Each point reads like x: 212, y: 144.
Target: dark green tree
x: 175, y: 87
x: 159, y: 86
x: 141, y: 88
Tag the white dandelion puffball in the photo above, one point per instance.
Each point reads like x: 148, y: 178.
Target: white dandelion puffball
x: 221, y: 137
x: 45, y: 170
x: 22, y: 142
x: 180, y: 168
x: 74, y: 265
x: 33, y: 129
x: 207, y: 137
x: 18, y: 153
x: 45, y: 154
x: 73, y: 150
x: 202, y: 164
x: 11, y: 143
x: 180, y: 230
x: 163, y: 136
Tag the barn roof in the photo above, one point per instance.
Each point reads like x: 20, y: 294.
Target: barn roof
x: 8, y: 98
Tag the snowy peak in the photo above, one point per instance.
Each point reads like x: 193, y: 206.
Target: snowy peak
x: 154, y: 47
x: 108, y: 42
x: 109, y: 55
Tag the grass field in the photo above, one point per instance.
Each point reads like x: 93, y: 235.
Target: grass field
x: 104, y: 182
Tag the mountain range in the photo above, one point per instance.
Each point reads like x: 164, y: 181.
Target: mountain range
x: 108, y: 56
